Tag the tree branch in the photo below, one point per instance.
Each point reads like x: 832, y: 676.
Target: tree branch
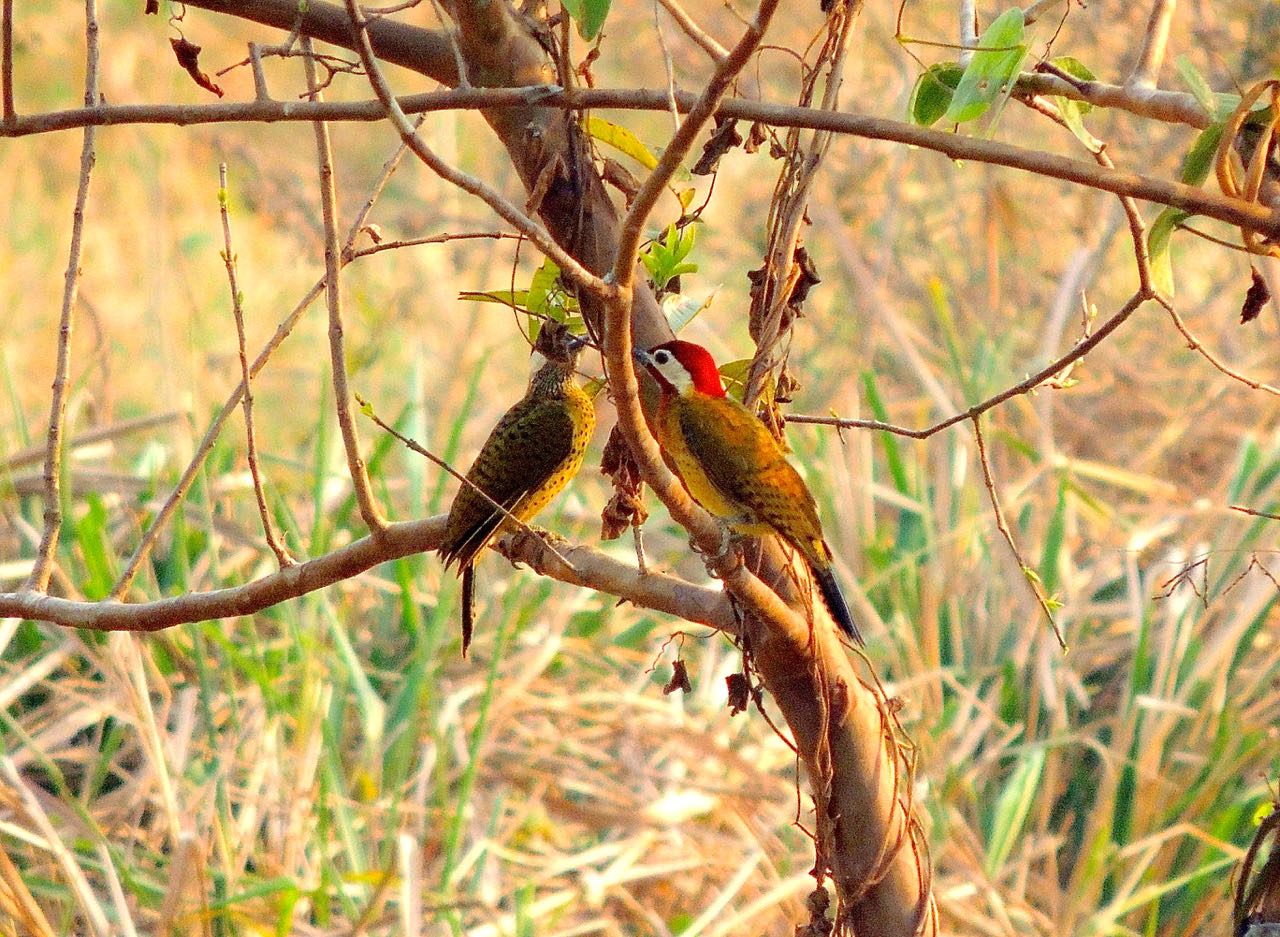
x: 1120, y: 182
x: 591, y: 569
x: 426, y: 51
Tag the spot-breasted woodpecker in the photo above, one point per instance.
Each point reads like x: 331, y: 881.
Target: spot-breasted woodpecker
x: 733, y: 466
x: 533, y: 451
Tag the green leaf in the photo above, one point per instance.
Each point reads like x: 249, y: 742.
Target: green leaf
x: 588, y: 14
x: 1012, y: 809
x: 519, y: 299
x: 621, y: 139
x: 665, y: 256
x: 933, y: 92
x: 1158, y: 247
x: 992, y: 70
x: 734, y: 375
x: 1199, y: 159
x: 1197, y: 85
x: 1076, y: 69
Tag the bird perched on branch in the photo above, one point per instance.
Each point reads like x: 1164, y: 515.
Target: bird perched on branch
x: 733, y: 466
x: 528, y: 458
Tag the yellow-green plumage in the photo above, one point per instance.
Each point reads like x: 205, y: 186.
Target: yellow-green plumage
x: 533, y: 451
x: 733, y: 466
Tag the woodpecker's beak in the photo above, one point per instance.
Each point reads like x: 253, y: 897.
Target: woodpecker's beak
x: 578, y: 342
x: 643, y: 358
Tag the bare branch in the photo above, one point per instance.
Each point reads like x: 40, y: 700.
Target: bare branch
x: 1120, y: 182
x: 590, y: 568
x: 701, y: 110
x: 282, y: 332
x: 705, y: 40
x: 1046, y: 373
x: 425, y: 51
x: 1154, y: 40
x: 1002, y: 525
x: 237, y: 311
x: 6, y: 59
x: 535, y: 232
x: 369, y: 509
x: 39, y: 578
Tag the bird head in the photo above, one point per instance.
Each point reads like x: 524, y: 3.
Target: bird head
x: 558, y: 346
x: 682, y: 367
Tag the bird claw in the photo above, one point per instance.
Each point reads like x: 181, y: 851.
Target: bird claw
x: 713, y: 560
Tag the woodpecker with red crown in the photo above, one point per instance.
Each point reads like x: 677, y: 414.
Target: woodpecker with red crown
x: 530, y: 455
x: 733, y: 466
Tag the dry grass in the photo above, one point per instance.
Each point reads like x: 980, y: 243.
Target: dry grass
x: 332, y: 767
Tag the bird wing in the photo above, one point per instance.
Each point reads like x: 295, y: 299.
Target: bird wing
x: 531, y: 441
x: 748, y: 468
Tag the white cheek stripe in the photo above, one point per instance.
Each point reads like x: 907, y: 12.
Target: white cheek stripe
x: 675, y: 372
x: 536, y: 360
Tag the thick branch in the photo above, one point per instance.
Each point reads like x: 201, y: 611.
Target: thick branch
x: 591, y: 569
x: 426, y: 51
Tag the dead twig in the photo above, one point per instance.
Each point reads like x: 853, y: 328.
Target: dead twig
x: 369, y: 509
x: 246, y: 400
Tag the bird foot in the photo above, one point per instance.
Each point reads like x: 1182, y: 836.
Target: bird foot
x: 727, y: 546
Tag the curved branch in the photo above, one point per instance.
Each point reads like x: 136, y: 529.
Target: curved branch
x: 591, y: 569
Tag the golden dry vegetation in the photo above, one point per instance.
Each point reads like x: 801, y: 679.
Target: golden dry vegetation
x: 331, y: 766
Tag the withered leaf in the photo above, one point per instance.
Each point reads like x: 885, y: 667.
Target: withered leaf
x: 724, y: 138
x: 1257, y: 297
x: 739, y: 693
x: 626, y: 508
x: 679, y: 679
x: 755, y: 137
x: 188, y: 55
x: 153, y: 7
x: 618, y: 176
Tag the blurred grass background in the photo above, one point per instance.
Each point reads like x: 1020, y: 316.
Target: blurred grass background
x: 331, y: 766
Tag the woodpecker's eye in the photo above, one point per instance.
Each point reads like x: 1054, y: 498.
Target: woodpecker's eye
x: 662, y: 357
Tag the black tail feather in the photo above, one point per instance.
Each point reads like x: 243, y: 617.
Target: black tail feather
x: 468, y: 604
x: 836, y: 604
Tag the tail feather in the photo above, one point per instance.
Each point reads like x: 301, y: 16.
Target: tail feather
x: 468, y: 604
x: 836, y: 604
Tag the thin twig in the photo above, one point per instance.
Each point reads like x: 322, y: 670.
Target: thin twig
x: 705, y: 40
x: 39, y: 578
x: 1197, y: 346
x: 1027, y: 572
x: 369, y: 509
x: 569, y: 267
x: 6, y: 60
x: 1252, y: 513
x: 237, y: 311
x: 421, y: 450
x: 283, y: 330
x: 1081, y: 349
x: 1154, y: 42
x: 700, y: 113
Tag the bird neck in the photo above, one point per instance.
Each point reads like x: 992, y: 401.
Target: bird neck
x: 552, y: 380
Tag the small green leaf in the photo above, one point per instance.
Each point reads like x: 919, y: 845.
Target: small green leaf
x: 1199, y: 159
x: 933, y: 92
x: 1158, y: 247
x: 665, y: 256
x: 1197, y: 85
x: 1078, y: 70
x: 621, y: 139
x: 734, y: 375
x: 518, y: 299
x: 992, y: 70
x: 686, y: 198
